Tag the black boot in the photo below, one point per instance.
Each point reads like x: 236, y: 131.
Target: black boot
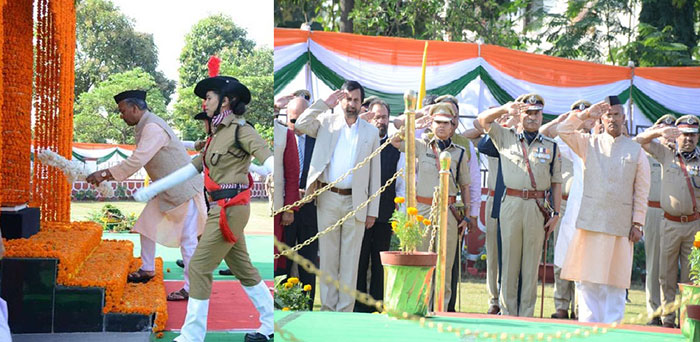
x: 180, y: 263
x: 258, y: 337
x: 226, y: 272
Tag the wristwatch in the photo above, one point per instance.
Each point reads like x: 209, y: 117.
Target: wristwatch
x: 103, y: 174
x: 555, y: 213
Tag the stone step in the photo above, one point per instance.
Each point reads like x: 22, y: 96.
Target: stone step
x: 146, y: 299
x: 84, y: 337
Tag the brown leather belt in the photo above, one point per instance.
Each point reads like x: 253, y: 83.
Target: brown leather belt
x: 565, y: 197
x: 344, y: 192
x: 682, y: 218
x: 492, y: 193
x: 654, y: 204
x: 525, y: 194
x: 429, y: 200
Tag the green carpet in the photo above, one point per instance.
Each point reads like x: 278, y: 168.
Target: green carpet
x: 259, y: 247
x: 342, y: 327
x: 211, y: 337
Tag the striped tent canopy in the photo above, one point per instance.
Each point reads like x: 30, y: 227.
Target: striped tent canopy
x: 480, y: 76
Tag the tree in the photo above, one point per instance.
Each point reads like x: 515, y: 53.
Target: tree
x: 255, y: 70
x: 589, y: 30
x: 108, y: 44
x: 656, y: 48
x: 494, y: 21
x: 97, y: 118
x: 209, y: 37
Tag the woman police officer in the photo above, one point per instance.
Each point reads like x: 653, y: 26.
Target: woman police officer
x: 224, y: 160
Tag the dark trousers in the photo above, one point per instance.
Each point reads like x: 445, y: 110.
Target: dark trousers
x: 304, y: 227
x: 455, y: 278
x: 377, y: 239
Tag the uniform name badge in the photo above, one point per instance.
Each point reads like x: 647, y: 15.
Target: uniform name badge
x: 542, y: 154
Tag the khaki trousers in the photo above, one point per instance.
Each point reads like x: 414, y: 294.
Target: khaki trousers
x: 652, y: 248
x: 564, y: 290
x: 491, y: 254
x: 339, y: 249
x: 212, y: 248
x: 424, y: 209
x: 676, y: 242
x: 522, y: 236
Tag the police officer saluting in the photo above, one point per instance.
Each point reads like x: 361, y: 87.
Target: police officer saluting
x: 224, y: 160
x: 679, y: 196
x: 531, y: 165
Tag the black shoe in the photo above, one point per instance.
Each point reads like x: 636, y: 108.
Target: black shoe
x: 656, y: 321
x: 258, y: 337
x: 226, y: 272
x: 180, y: 263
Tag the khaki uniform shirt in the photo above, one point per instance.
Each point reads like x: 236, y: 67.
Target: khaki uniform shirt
x: 427, y: 172
x: 675, y: 195
x: 541, y: 153
x: 223, y: 157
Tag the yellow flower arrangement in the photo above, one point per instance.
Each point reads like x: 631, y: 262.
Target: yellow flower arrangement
x: 307, y: 288
x: 407, y: 227
x: 291, y: 294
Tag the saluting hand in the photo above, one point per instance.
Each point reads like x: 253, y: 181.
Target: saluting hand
x: 367, y: 116
x: 334, y: 98
x: 595, y: 111
x: 424, y: 122
x: 514, y: 108
x: 670, y: 132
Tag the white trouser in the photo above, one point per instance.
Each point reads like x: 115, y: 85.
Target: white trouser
x: 188, y: 243
x: 600, y: 303
x: 4, y: 327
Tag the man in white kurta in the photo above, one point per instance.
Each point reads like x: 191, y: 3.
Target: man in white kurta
x: 612, y: 212
x: 174, y: 218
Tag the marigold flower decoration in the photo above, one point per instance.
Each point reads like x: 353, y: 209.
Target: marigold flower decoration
x: 291, y: 294
x: 694, y: 260
x: 409, y: 227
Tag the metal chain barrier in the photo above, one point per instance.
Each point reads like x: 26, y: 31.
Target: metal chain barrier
x: 315, y: 194
x: 448, y: 328
x: 433, y: 218
x: 342, y: 220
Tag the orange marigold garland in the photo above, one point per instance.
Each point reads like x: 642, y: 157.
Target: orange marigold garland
x: 17, y: 70
x: 147, y: 298
x: 54, y: 103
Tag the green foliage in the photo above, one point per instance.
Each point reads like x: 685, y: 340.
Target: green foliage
x: 112, y: 219
x: 639, y: 262
x: 480, y: 263
x: 415, y: 19
x: 108, y: 44
x: 588, y: 29
x: 97, y: 117
x: 293, y: 13
x: 656, y: 48
x: 694, y: 261
x: 409, y: 229
x: 86, y: 195
x: 291, y: 295
x: 209, y: 37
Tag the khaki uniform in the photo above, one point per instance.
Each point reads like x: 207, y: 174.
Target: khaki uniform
x: 491, y: 235
x: 427, y: 178
x: 522, y: 223
x: 564, y: 289
x: 226, y: 166
x: 676, y: 237
x: 652, y: 238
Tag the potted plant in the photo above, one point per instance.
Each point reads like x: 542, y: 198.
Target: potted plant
x: 409, y: 273
x: 691, y: 294
x: 292, y: 295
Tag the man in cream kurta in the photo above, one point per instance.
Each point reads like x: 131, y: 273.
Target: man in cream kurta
x: 612, y: 212
x: 174, y: 218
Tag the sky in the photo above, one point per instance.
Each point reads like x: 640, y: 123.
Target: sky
x: 170, y: 20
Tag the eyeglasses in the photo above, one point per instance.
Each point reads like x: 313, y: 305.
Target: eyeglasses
x: 293, y: 120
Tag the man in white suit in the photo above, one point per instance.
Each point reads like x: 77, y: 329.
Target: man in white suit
x: 342, y: 141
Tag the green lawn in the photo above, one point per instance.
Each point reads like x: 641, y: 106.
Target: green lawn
x: 260, y: 219
x: 474, y: 299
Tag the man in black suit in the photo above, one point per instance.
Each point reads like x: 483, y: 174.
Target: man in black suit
x: 378, y: 237
x: 305, y: 224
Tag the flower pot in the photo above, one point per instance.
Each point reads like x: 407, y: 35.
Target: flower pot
x: 408, y: 281
x: 693, y: 293
x: 693, y: 322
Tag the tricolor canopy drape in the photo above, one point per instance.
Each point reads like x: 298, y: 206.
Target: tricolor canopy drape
x: 480, y: 76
